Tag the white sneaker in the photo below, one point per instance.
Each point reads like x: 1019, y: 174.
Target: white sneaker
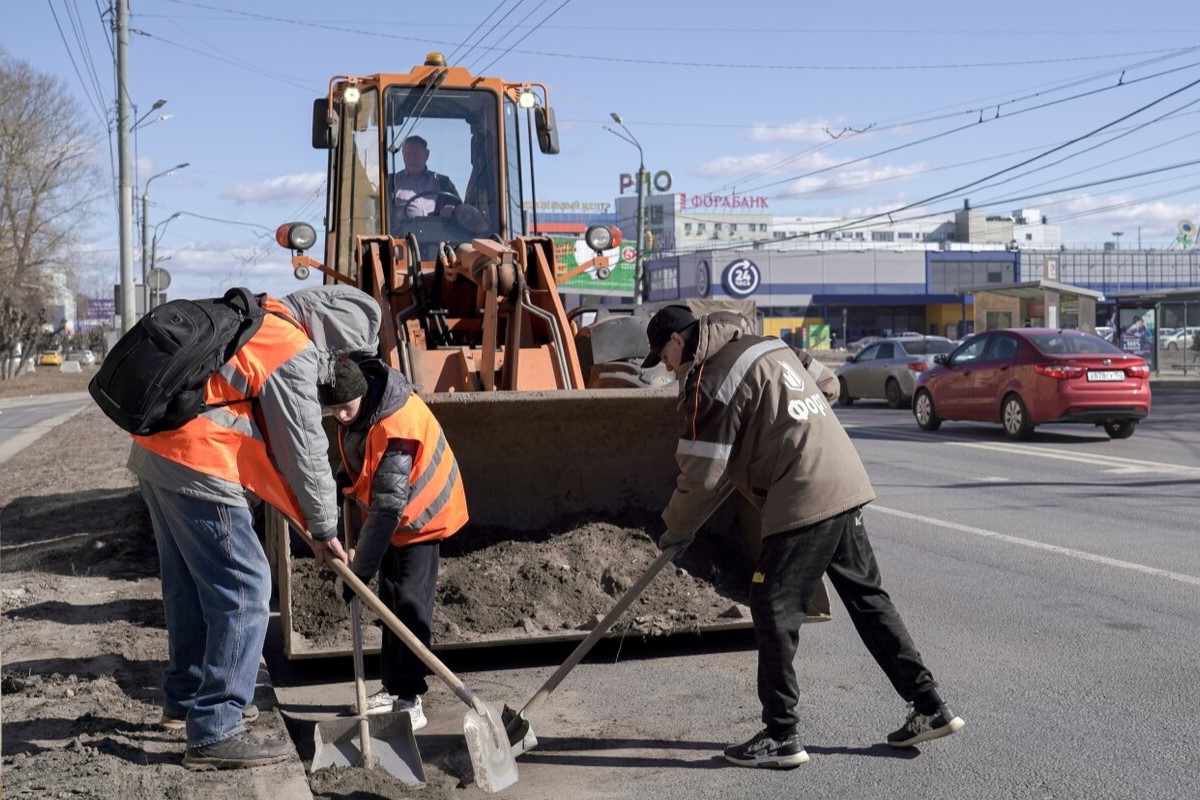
x: 379, y: 703
x: 414, y: 711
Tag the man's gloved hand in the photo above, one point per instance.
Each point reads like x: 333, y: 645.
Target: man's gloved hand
x: 665, y: 538
x: 669, y: 539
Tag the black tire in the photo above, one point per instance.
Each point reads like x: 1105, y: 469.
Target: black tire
x: 926, y: 414
x: 892, y: 393
x: 1120, y: 428
x: 844, y: 398
x: 1015, y: 418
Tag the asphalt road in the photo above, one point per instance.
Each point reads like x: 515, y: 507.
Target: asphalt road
x: 23, y: 420
x: 1051, y: 585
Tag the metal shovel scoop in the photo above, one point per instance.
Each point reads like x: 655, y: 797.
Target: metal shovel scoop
x: 368, y: 740
x: 491, y: 755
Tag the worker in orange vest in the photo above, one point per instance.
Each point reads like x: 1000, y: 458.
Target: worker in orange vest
x: 261, y: 438
x: 402, y: 476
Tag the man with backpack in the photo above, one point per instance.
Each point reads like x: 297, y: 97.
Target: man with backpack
x: 257, y: 436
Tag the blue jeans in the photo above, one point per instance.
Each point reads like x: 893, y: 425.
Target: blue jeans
x: 216, y: 586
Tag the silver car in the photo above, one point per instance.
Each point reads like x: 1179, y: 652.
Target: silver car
x: 887, y: 369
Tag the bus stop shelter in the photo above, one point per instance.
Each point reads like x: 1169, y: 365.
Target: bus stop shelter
x: 1039, y: 304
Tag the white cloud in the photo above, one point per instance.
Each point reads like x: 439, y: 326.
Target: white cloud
x: 284, y: 190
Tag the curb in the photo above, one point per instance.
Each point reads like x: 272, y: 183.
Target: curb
x: 289, y: 779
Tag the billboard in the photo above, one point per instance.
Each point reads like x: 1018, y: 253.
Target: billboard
x: 578, y: 269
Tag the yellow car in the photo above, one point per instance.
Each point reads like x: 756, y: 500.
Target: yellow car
x: 50, y: 358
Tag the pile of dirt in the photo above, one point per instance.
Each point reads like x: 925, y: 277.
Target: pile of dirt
x: 499, y: 584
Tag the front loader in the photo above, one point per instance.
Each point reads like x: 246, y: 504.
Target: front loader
x: 550, y: 419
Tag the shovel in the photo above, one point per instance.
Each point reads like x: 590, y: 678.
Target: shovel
x: 516, y: 723
x: 491, y: 755
x: 383, y: 740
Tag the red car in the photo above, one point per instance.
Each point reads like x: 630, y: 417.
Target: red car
x: 1022, y: 377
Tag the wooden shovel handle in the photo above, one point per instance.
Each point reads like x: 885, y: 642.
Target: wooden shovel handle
x: 601, y: 628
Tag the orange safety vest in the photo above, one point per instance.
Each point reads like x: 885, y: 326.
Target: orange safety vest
x: 437, y: 503
x: 227, y: 442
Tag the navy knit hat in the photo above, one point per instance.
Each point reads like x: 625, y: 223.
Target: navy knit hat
x: 348, y: 384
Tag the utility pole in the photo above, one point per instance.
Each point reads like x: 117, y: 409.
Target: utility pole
x: 128, y: 304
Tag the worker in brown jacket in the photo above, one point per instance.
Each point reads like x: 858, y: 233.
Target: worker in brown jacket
x: 758, y: 421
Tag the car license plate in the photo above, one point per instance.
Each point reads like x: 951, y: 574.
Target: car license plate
x: 1106, y: 375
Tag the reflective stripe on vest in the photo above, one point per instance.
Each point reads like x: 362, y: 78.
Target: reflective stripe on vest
x: 437, y: 502
x: 226, y: 442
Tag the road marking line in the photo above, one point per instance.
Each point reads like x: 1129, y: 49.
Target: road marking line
x: 1114, y: 462
x: 1052, y: 548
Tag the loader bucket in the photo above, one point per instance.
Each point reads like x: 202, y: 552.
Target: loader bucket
x: 530, y: 460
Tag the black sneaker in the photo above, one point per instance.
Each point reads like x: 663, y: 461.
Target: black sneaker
x: 765, y: 751
x: 924, y: 727
x: 237, y: 752
x: 171, y: 722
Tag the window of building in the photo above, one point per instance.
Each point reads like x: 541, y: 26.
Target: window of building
x: 717, y: 226
x: 1029, y: 237
x: 687, y: 228
x: 904, y: 235
x: 733, y: 227
x: 700, y: 227
x: 882, y: 236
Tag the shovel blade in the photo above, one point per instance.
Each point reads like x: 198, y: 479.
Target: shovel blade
x: 491, y: 754
x: 393, y: 746
x: 519, y: 732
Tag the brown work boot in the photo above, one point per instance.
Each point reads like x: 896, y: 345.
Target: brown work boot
x: 237, y: 752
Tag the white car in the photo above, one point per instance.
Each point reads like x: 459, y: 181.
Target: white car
x: 1177, y: 338
x: 84, y: 357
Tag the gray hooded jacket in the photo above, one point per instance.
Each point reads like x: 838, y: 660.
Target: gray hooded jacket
x: 338, y: 320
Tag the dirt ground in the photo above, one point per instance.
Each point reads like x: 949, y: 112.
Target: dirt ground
x: 84, y: 640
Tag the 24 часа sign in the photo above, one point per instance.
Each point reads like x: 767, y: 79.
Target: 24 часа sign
x: 741, y: 278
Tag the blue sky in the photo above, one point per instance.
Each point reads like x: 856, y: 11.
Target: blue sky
x: 1087, y: 112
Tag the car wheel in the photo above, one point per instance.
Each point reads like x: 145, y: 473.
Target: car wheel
x: 1172, y: 346
x: 844, y: 397
x: 892, y: 393
x: 1015, y: 418
x: 927, y: 418
x: 1120, y: 428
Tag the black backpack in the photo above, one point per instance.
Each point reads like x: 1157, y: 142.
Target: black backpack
x: 153, y: 378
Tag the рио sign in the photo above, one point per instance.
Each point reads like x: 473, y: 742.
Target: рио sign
x: 661, y: 181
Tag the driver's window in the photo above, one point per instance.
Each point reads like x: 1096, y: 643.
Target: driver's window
x: 440, y: 152
x: 869, y: 354
x: 971, y: 351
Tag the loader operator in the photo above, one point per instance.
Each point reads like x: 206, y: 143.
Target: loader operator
x: 200, y: 482
x: 417, y: 191
x: 401, y: 474
x: 758, y: 420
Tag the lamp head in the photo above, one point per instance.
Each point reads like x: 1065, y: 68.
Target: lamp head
x: 615, y: 117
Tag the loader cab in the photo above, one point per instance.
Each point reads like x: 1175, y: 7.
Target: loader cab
x: 474, y: 133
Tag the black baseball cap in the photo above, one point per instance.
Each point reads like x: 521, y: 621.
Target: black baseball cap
x: 668, y: 320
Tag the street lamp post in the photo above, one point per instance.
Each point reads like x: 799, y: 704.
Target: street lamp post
x: 146, y: 233
x: 641, y: 214
x: 153, y: 293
